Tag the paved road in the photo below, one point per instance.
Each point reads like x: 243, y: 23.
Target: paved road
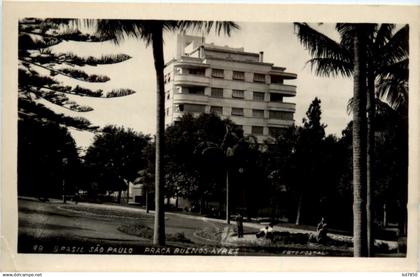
x: 56, y: 224
x: 43, y: 220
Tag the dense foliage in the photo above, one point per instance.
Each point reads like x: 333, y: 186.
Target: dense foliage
x: 47, y: 157
x: 114, y: 159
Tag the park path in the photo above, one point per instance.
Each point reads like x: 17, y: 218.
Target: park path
x: 43, y: 220
x: 101, y: 222
x: 105, y: 227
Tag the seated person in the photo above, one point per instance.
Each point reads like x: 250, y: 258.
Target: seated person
x: 321, y: 231
x: 270, y: 232
x: 266, y: 232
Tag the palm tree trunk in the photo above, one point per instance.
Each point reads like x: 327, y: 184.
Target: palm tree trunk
x: 359, y: 144
x: 299, y: 210
x: 119, y: 196
x: 128, y: 191
x: 159, y: 226
x: 385, y: 218
x: 64, y: 191
x: 370, y: 106
x: 147, y: 200
x: 202, y: 208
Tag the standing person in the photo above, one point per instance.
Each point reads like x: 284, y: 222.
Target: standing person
x: 321, y: 230
x: 240, y: 226
x: 76, y: 197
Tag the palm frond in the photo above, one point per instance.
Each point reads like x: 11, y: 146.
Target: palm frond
x: 396, y: 49
x: 320, y: 45
x: 327, y: 67
x: 392, y: 84
x: 394, y: 92
x: 383, y: 35
x: 350, y: 105
x: 397, y: 70
x: 346, y: 32
x: 118, y: 30
x: 381, y: 107
x: 219, y: 26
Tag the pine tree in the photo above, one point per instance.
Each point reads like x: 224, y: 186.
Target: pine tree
x: 307, y: 154
x: 39, y: 69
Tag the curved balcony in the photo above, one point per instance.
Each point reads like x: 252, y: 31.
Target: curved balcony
x: 177, y: 115
x: 191, y: 62
x: 282, y: 106
x: 190, y: 98
x: 191, y: 80
x: 272, y: 122
x: 283, y: 89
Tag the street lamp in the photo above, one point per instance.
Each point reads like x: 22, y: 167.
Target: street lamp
x: 241, y: 171
x: 227, y: 197
x: 64, y: 163
x: 229, y: 154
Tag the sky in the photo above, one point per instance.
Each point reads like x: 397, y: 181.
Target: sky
x: 278, y: 41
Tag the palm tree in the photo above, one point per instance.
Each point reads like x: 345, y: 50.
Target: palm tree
x: 151, y: 31
x: 386, y: 59
x: 229, y: 143
x: 359, y: 142
x: 222, y: 153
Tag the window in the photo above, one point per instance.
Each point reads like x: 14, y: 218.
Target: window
x: 180, y: 108
x: 275, y: 97
x: 258, y: 96
x: 196, y: 90
x: 259, y: 78
x: 276, y: 79
x: 197, y: 71
x: 217, y: 92
x: 281, y: 115
x: 168, y: 95
x: 194, y: 108
x: 217, y: 73
x: 178, y: 70
x: 216, y: 110
x: 167, y: 111
x: 238, y: 94
x: 238, y: 75
x: 258, y: 113
x: 167, y: 78
x: 275, y: 131
x: 238, y: 111
x: 257, y: 130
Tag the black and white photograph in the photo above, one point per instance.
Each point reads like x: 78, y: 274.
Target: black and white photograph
x: 185, y: 137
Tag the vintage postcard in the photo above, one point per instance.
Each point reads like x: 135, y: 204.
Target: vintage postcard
x: 209, y: 137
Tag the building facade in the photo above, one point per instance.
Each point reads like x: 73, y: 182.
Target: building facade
x: 232, y: 83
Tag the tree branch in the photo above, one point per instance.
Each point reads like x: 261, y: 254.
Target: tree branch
x: 55, y: 71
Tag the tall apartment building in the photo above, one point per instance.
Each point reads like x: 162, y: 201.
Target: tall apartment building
x: 232, y: 83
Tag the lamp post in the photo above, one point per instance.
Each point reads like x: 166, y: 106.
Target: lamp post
x: 227, y: 197
x: 64, y: 163
x: 227, y: 147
